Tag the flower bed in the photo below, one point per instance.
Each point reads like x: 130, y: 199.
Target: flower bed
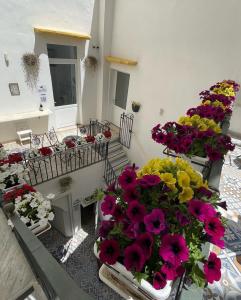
x: 160, y: 217
x: 199, y: 133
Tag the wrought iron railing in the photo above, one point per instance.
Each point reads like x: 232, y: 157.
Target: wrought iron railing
x: 109, y: 173
x: 126, y: 125
x: 44, y: 168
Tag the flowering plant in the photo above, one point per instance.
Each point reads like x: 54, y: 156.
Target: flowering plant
x: 45, y: 151
x: 192, y: 141
x: 32, y: 208
x: 210, y: 111
x: 160, y: 218
x: 3, y: 152
x: 107, y: 134
x: 11, y: 175
x: 202, y: 124
x: 13, y: 194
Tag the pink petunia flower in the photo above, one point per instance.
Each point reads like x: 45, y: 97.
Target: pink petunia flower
x: 134, y: 258
x: 105, y: 228
x: 217, y: 241
x: 201, y: 210
x: 151, y: 180
x: 108, y: 205
x: 145, y: 241
x: 181, y: 218
x: 155, y: 221
x: 174, y: 249
x: 131, y: 194
x: 109, y: 251
x: 214, y: 227
x: 159, y: 280
x: 127, y: 179
x: 212, y: 268
x: 135, y: 211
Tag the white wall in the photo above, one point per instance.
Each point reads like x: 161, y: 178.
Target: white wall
x: 182, y: 47
x: 85, y: 181
x: 17, y: 37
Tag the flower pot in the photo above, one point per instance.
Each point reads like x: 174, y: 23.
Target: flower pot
x: 144, y: 285
x: 36, y: 228
x: 135, y: 108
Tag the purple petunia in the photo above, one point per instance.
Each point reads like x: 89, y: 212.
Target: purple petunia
x: 109, y: 251
x: 127, y: 179
x: 159, y: 280
x: 134, y: 258
x: 135, y: 211
x: 155, y: 221
x: 201, y: 210
x: 131, y: 194
x: 108, y: 205
x: 145, y: 241
x: 173, y: 249
x: 212, y: 268
x: 214, y: 228
x: 105, y: 228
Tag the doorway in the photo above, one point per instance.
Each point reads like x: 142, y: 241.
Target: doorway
x: 65, y: 75
x: 119, y: 86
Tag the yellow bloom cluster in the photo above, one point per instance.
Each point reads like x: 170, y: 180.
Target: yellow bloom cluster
x: 215, y: 103
x: 202, y: 124
x: 178, y: 175
x: 224, y: 89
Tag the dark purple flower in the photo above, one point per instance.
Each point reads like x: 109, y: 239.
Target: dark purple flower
x: 174, y: 249
x: 217, y: 241
x: 135, y: 211
x: 109, y: 251
x: 155, y: 221
x: 201, y: 210
x: 105, y: 228
x: 181, y: 218
x: 159, y: 280
x: 131, y: 194
x: 212, y: 268
x: 127, y: 179
x: 145, y: 241
x: 223, y: 204
x: 205, y: 192
x: 170, y: 270
x: 118, y: 213
x: 214, y: 228
x: 151, y: 180
x: 108, y: 205
x: 134, y: 258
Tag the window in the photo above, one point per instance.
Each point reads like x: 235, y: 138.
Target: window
x: 121, y: 92
x: 61, y: 51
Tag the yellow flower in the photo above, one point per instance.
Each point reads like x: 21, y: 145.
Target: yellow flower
x: 169, y: 180
x: 183, y: 179
x: 207, y: 102
x: 186, y: 194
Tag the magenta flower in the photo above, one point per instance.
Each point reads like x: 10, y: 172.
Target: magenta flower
x: 151, y: 180
x: 205, y: 192
x: 134, y: 258
x: 212, y: 268
x: 159, y: 280
x: 127, y: 179
x: 169, y: 269
x: 118, y: 213
x: 109, y: 251
x: 217, y: 241
x: 105, y: 228
x: 131, y: 194
x: 201, y: 210
x: 145, y: 241
x: 155, y: 221
x: 174, y: 249
x: 108, y: 205
x: 181, y: 218
x: 214, y: 228
x: 135, y: 211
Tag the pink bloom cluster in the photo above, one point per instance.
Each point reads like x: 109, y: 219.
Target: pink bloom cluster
x: 209, y: 112
x: 149, y: 233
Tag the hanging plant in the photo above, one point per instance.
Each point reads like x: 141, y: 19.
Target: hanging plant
x: 90, y: 62
x: 30, y: 62
x: 135, y: 106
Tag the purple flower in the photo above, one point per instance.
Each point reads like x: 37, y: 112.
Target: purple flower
x: 105, y: 228
x: 134, y: 258
x: 181, y: 218
x: 214, y: 228
x: 155, y: 221
x: 205, y: 192
x: 217, y: 241
x: 127, y: 179
x: 108, y: 205
x: 173, y: 249
x: 201, y: 210
x: 151, y: 180
x: 118, y: 213
x: 109, y: 251
x: 212, y: 268
x: 135, y: 211
x: 131, y: 194
x: 145, y: 241
x: 159, y: 280
x: 170, y: 270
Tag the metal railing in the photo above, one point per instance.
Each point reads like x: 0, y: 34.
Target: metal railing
x: 126, y: 125
x: 44, y: 168
x: 109, y: 174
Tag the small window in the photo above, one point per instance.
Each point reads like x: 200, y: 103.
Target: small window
x: 61, y: 51
x: 121, y: 93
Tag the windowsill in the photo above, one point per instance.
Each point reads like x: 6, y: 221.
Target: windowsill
x: 26, y: 115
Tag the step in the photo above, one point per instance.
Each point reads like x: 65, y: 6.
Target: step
x: 116, y: 154
x: 120, y: 164
x: 114, y: 147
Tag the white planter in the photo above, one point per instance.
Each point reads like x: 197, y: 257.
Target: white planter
x: 144, y: 285
x: 36, y: 228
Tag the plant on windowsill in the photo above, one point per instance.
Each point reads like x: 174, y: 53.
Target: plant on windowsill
x: 135, y: 106
x: 65, y: 183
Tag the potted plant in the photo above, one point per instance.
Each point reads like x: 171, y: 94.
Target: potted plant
x: 65, y: 183
x: 135, y: 106
x: 159, y: 219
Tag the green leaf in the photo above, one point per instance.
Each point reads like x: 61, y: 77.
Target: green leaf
x: 139, y: 276
x: 197, y: 276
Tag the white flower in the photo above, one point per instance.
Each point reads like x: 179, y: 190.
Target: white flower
x: 51, y: 216
x: 41, y: 214
x: 100, y: 137
x: 43, y: 222
x: 33, y: 204
x: 50, y: 196
x: 18, y: 199
x: 46, y: 204
x: 23, y: 209
x: 24, y: 219
x: 2, y: 186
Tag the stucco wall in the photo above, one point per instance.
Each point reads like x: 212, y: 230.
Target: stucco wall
x: 17, y: 37
x: 182, y: 47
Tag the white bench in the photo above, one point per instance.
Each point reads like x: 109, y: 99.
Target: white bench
x: 24, y: 135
